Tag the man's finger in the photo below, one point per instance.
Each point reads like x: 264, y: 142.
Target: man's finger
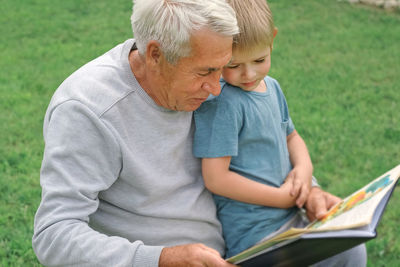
x: 331, y: 200
x: 215, y: 260
x: 212, y: 251
x: 316, y: 205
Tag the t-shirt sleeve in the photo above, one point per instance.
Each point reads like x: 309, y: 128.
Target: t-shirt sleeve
x: 217, y: 130
x: 290, y: 127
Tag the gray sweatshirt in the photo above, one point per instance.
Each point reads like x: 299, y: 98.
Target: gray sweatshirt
x: 119, y: 181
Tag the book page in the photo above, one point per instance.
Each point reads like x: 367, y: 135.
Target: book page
x: 358, y: 209
x: 346, y: 216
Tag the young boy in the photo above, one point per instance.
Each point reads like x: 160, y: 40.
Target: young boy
x: 254, y: 161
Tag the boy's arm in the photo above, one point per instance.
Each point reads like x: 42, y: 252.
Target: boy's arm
x: 302, y: 167
x: 221, y: 181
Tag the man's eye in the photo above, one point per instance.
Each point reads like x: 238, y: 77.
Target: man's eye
x: 205, y: 74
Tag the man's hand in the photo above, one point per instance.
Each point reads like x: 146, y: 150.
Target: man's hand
x: 192, y: 255
x: 319, y: 202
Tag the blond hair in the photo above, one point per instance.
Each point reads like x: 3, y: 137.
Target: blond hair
x: 255, y: 23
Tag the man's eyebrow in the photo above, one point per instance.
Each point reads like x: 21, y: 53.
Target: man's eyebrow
x: 209, y: 69
x: 212, y: 69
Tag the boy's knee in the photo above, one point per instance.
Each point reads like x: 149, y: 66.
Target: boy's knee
x: 354, y: 257
x: 357, y: 256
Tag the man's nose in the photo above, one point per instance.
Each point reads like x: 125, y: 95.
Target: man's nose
x: 212, y: 85
x: 212, y: 88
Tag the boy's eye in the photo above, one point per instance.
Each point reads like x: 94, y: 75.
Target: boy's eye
x: 232, y: 66
x: 260, y: 60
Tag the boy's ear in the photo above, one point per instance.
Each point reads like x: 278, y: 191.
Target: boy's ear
x: 274, y: 34
x: 153, y: 53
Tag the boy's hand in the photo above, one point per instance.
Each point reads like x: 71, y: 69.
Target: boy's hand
x: 286, y: 200
x: 301, y: 185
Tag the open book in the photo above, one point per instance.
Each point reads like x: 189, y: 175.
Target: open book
x: 349, y: 223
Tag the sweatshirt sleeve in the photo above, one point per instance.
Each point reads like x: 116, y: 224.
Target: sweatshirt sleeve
x: 81, y: 158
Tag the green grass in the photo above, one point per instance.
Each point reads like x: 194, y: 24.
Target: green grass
x: 338, y: 64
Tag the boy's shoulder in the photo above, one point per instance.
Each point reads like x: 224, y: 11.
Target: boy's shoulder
x: 274, y: 87
x: 228, y: 92
x: 270, y: 79
x: 231, y: 94
x: 271, y: 82
x: 228, y: 99
x: 229, y: 89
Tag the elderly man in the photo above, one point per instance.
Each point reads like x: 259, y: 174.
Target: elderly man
x: 120, y: 186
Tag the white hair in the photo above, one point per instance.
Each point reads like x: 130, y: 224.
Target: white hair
x: 172, y: 22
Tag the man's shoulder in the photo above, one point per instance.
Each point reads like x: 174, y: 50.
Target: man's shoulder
x: 98, y: 84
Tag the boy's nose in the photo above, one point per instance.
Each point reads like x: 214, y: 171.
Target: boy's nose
x: 248, y: 73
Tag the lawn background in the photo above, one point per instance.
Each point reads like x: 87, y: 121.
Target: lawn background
x: 338, y: 64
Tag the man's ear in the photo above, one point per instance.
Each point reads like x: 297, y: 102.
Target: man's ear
x: 153, y: 53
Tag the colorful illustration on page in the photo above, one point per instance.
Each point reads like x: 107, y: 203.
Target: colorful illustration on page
x: 355, y: 200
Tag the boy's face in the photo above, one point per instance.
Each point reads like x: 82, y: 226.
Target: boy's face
x: 247, y: 70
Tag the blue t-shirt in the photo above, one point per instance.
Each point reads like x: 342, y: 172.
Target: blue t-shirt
x: 251, y: 127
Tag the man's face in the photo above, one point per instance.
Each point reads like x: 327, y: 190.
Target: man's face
x: 187, y: 84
